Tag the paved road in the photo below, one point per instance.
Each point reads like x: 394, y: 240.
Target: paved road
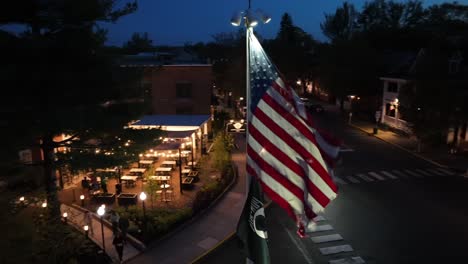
x: 392, y: 208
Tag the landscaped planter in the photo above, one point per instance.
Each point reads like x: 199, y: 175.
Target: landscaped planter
x: 126, y: 199
x: 106, y: 198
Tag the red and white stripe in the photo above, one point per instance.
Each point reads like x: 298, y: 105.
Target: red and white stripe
x: 287, y: 154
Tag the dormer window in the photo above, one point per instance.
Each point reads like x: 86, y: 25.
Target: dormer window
x: 454, y: 66
x: 454, y: 63
x: 392, y: 87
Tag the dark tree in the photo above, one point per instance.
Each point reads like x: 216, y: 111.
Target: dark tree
x: 59, y: 78
x: 138, y: 43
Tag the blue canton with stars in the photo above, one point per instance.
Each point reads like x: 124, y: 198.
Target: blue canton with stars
x: 262, y: 72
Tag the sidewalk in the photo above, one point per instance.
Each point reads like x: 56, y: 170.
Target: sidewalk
x: 438, y: 156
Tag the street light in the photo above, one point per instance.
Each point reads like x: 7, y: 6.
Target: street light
x: 396, y: 103
x: 143, y: 198
x: 180, y: 169
x: 86, y: 230
x: 193, y: 143
x: 82, y: 200
x: 65, y: 216
x: 101, y: 211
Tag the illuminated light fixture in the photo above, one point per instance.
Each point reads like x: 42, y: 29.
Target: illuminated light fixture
x: 250, y: 19
x: 231, y: 121
x: 21, y: 199
x: 263, y: 16
x: 242, y: 121
x: 86, y: 228
x: 65, y: 215
x: 241, y: 98
x: 142, y: 196
x: 44, y: 204
x: 236, y: 19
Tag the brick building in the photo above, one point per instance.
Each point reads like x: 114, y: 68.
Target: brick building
x: 178, y: 82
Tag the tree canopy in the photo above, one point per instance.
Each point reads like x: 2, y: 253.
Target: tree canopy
x: 139, y: 42
x: 59, y: 78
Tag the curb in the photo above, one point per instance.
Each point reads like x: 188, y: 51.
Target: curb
x: 191, y: 220
x: 220, y: 243
x: 400, y: 147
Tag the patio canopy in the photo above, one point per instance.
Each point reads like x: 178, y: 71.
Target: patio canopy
x: 171, y: 122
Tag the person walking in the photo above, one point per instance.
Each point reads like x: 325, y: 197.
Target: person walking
x: 85, y: 184
x: 114, y: 219
x: 88, y: 220
x: 104, y: 184
x: 118, y: 243
x: 124, y: 224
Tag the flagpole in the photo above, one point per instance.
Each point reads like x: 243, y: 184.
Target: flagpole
x: 248, y: 31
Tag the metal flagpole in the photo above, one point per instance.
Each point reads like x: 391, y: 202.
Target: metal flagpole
x: 249, y: 30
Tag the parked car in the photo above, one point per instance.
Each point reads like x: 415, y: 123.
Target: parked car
x: 316, y: 108
x: 306, y: 101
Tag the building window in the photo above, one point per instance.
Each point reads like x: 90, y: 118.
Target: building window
x: 183, y: 90
x: 390, y: 110
x: 454, y: 66
x: 392, y: 87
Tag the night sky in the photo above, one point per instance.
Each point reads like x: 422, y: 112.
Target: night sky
x: 175, y: 22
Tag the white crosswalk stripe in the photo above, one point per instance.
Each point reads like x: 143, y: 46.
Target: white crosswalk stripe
x: 424, y: 172
x: 319, y: 228
x: 335, y: 249
x: 326, y: 238
x: 319, y: 218
x: 352, y: 179
x: 393, y: 174
x: 352, y: 260
x: 364, y: 177
x: 388, y: 174
x: 400, y: 174
x: 414, y: 174
x: 339, y: 180
x: 446, y: 171
x: 377, y: 176
x: 434, y: 171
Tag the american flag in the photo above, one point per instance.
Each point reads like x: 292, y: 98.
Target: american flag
x: 285, y: 152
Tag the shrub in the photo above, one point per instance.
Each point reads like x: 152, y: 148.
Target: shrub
x: 212, y: 190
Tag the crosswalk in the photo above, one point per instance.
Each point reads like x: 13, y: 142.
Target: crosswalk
x: 393, y: 175
x: 331, y: 245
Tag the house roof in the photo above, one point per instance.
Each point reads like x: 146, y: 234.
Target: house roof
x: 172, y: 120
x: 176, y: 57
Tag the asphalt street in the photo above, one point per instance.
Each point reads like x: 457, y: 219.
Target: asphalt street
x: 392, y: 208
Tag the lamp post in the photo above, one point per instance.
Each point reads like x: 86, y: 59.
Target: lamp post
x: 143, y: 198
x: 180, y: 170
x: 86, y: 230
x: 21, y: 200
x: 65, y: 216
x: 82, y: 200
x: 101, y: 212
x: 193, y: 143
x: 396, y: 103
